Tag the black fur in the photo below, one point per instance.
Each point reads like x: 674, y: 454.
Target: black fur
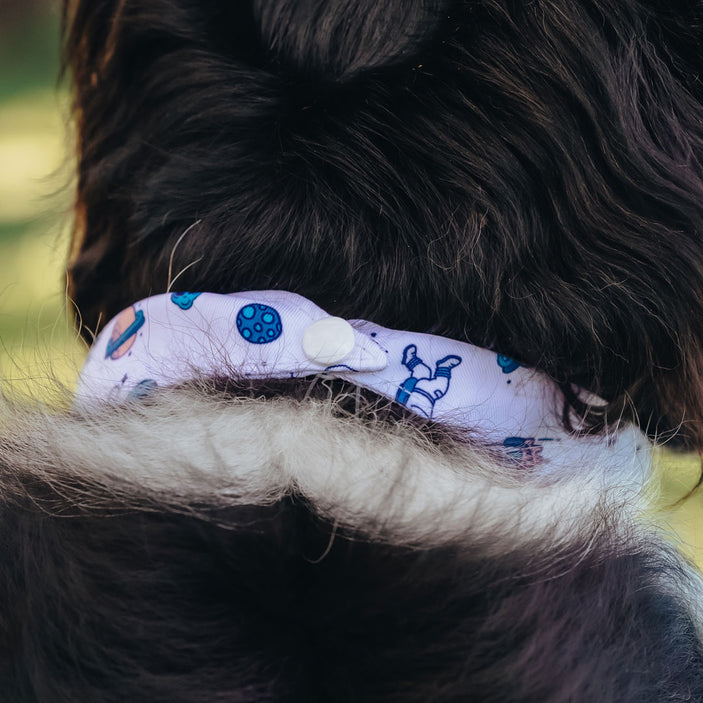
x: 154, y: 606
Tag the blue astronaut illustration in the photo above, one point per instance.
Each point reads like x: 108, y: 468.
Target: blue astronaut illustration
x: 527, y: 451
x: 423, y: 388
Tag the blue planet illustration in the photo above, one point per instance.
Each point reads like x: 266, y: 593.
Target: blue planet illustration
x: 143, y: 389
x: 259, y: 323
x: 184, y: 300
x: 507, y: 364
x: 124, y: 333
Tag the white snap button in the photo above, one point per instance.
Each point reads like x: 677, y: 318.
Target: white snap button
x: 328, y: 341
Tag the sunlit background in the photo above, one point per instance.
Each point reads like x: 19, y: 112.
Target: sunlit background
x: 36, y: 339
x: 38, y: 346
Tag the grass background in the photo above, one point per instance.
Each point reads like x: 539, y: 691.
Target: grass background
x: 36, y: 338
x: 38, y: 344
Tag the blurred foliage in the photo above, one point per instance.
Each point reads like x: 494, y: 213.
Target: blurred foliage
x: 37, y: 344
x: 679, y: 502
x: 29, y: 45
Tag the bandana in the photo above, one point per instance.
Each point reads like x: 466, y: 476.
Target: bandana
x: 170, y: 338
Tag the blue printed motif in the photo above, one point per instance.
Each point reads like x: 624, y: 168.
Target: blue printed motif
x: 259, y: 324
x: 340, y: 367
x: 142, y: 389
x: 184, y: 300
x: 422, y: 389
x: 508, y: 364
x: 527, y: 451
x: 124, y: 332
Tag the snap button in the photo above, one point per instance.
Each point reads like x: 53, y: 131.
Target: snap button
x: 328, y: 341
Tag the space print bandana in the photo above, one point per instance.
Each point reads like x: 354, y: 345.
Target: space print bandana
x: 170, y: 338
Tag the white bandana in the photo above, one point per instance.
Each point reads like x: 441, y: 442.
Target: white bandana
x: 170, y: 338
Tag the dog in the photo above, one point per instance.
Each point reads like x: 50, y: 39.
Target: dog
x: 520, y: 181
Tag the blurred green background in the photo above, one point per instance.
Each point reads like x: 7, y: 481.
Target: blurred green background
x: 36, y: 172
x: 38, y: 346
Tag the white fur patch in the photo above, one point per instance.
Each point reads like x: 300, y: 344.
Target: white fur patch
x: 387, y: 480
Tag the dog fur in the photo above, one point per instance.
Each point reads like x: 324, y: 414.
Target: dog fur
x: 202, y: 547
x: 524, y: 176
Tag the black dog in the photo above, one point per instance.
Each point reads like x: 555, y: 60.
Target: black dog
x: 521, y: 175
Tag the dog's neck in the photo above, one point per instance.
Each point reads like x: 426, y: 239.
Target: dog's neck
x: 171, y: 338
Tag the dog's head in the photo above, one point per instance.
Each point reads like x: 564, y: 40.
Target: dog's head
x: 526, y: 176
